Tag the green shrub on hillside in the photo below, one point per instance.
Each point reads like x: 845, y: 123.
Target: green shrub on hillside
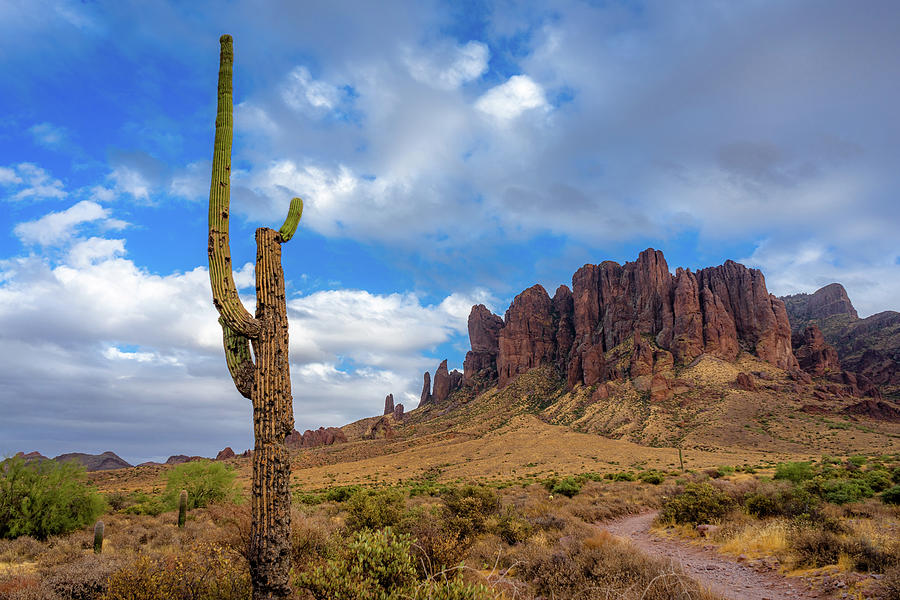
x: 206, y: 481
x: 44, y: 498
x: 567, y: 487
x: 891, y: 495
x: 375, y: 509
x: 467, y: 508
x: 796, y: 472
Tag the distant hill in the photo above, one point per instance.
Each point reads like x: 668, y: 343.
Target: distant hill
x: 106, y: 461
x: 869, y: 346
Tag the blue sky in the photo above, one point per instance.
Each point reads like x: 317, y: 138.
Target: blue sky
x: 448, y: 153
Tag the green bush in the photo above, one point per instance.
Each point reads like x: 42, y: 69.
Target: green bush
x: 816, y: 547
x: 44, y: 498
x: 652, y: 477
x: 698, y: 503
x: 620, y: 476
x: 773, y: 501
x: 467, y: 508
x: 878, y: 480
x: 511, y: 526
x: 567, y: 487
x: 341, y: 493
x: 374, y: 509
x: 145, y: 504
x: 206, y: 481
x: 891, y: 495
x: 843, y: 491
x: 378, y: 565
x: 796, y: 472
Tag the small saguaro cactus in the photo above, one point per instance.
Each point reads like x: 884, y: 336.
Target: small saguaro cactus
x: 98, y: 537
x: 182, y: 508
x: 264, y: 376
x: 681, y: 460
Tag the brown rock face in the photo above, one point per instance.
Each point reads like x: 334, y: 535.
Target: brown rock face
x: 718, y: 310
x: 441, y: 383
x: 398, y: 412
x: 745, y: 382
x: 824, y: 302
x: 484, y: 337
x: 312, y: 438
x: 528, y: 337
x: 456, y: 380
x: 814, y: 355
x: 426, y: 390
x: 388, y: 404
x: 225, y: 453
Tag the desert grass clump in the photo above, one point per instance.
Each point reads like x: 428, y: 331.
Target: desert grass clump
x: 84, y: 578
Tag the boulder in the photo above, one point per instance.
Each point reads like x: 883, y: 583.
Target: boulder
x: 225, y: 453
x: 745, y: 382
x: 814, y: 354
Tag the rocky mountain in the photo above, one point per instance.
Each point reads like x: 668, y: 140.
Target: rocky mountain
x: 95, y: 462
x: 635, y: 320
x: 869, y: 347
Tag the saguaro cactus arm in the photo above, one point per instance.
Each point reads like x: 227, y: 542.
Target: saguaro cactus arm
x: 225, y: 296
x: 237, y: 357
x: 293, y: 219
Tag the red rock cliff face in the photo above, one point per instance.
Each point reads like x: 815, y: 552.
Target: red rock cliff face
x: 484, y: 336
x: 718, y: 310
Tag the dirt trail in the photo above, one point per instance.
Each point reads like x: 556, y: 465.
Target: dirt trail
x: 731, y: 579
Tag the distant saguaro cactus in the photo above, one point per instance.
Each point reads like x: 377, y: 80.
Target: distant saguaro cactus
x: 98, y: 537
x: 182, y: 508
x: 266, y: 380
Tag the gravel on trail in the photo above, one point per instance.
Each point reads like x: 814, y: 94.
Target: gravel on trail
x: 725, y: 576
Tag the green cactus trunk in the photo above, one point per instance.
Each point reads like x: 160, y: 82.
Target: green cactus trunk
x: 265, y: 380
x: 681, y: 460
x: 98, y: 537
x: 182, y: 508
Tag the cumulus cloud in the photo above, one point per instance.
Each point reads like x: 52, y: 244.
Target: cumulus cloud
x: 448, y: 66
x: 141, y: 354
x: 48, y: 134
x: 510, y: 99
x: 56, y: 227
x: 301, y: 92
x: 30, y: 182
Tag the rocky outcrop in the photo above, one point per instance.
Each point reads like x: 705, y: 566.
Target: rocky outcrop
x: 225, y: 453
x: 528, y: 337
x: 388, y: 404
x: 745, y: 382
x: 398, y: 412
x: 824, y: 302
x: 426, y: 390
x: 484, y: 336
x: 312, y: 438
x: 31, y: 456
x: 718, y: 310
x: 441, y: 383
x: 178, y: 459
x: 875, y: 409
x: 382, y: 428
x: 814, y: 354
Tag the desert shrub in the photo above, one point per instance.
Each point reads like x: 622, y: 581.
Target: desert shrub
x: 895, y: 475
x: 433, y: 544
x: 652, y: 477
x: 81, y: 579
x: 878, y: 480
x: 375, y: 564
x: 815, y: 547
x: 698, y: 503
x: 842, y: 491
x: 25, y: 587
x: 23, y: 547
x: 341, y: 493
x: 858, y: 460
x: 620, y: 476
x: 202, y: 571
x: 313, y: 538
x: 890, y: 584
x: 784, y: 501
x: 206, y: 481
x: 603, y: 567
x: 796, y: 472
x: 568, y: 487
x: 145, y: 504
x: 868, y: 557
x: 467, y: 508
x: 44, y: 498
x: 891, y: 495
x: 511, y: 527
x: 725, y: 470
x: 374, y: 509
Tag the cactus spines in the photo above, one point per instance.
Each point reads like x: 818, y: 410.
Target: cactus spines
x: 182, y: 508
x: 98, y: 537
x: 263, y: 376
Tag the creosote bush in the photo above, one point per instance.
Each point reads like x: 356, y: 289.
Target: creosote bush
x: 374, y: 509
x: 698, y: 503
x: 44, y: 498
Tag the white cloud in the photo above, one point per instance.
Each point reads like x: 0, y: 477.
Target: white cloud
x: 192, y: 183
x: 448, y: 66
x: 93, y: 250
x: 131, y: 181
x: 56, y: 227
x: 301, y: 92
x: 510, y: 99
x: 34, y: 182
x: 47, y: 134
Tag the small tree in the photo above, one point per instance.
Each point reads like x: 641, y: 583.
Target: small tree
x: 44, y: 498
x: 205, y: 482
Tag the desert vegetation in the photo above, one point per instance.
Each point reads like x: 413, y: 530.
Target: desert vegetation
x: 832, y: 522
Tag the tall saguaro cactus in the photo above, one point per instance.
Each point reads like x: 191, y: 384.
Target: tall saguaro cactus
x: 264, y: 376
